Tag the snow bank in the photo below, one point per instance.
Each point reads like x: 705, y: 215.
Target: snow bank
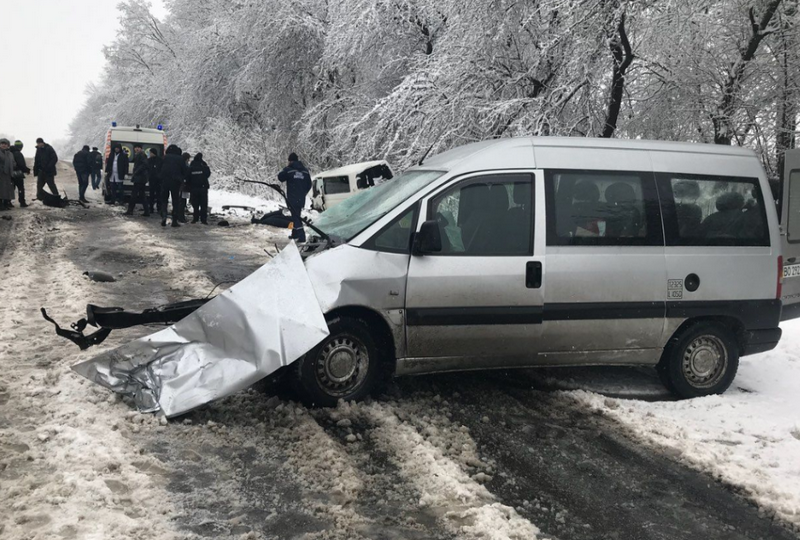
x: 748, y: 437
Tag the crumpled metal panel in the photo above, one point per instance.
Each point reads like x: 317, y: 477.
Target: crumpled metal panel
x: 268, y: 320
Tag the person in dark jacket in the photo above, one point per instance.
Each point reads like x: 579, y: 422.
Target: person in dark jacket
x: 96, y: 164
x: 116, y: 169
x: 173, y: 173
x: 82, y: 162
x: 298, y: 184
x: 44, y: 168
x: 199, y: 173
x: 185, y: 192
x: 139, y: 175
x: 154, y: 172
x: 7, y: 166
x: 20, y: 171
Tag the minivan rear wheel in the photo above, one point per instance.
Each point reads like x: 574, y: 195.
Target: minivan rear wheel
x: 345, y: 365
x: 702, y: 359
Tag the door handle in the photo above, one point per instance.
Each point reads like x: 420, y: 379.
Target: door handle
x: 533, y: 274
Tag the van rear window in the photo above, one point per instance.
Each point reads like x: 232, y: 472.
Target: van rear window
x: 713, y: 211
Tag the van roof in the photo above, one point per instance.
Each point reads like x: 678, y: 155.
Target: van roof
x: 494, y: 150
x: 347, y: 170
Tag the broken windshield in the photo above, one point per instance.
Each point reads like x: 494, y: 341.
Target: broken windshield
x: 352, y: 216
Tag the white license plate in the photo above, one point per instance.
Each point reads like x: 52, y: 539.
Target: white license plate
x: 791, y: 271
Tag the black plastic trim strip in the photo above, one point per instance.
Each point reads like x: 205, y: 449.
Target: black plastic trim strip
x: 754, y: 314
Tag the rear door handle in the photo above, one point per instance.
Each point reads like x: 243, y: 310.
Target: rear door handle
x: 533, y: 274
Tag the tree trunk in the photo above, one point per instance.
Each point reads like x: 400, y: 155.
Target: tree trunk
x: 722, y: 119
x: 623, y: 57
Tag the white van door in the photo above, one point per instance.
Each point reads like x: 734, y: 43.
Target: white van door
x: 790, y: 235
x: 478, y: 302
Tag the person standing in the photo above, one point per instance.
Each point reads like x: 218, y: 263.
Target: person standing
x: 139, y: 181
x: 116, y: 169
x: 96, y: 160
x: 6, y: 172
x: 82, y: 162
x: 298, y: 184
x: 185, y: 192
x: 44, y: 168
x: 199, y: 173
x: 154, y: 173
x: 173, y: 173
x: 20, y: 170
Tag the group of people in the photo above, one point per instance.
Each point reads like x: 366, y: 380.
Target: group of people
x: 13, y: 170
x: 171, y: 176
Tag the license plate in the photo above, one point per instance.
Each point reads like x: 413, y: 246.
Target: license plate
x: 791, y: 271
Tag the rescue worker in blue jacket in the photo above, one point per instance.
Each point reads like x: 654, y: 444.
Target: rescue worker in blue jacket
x: 298, y: 184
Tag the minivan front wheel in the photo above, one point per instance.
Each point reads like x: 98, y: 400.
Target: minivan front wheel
x: 344, y: 366
x: 701, y: 360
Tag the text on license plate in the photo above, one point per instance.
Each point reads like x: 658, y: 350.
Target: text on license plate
x: 792, y: 270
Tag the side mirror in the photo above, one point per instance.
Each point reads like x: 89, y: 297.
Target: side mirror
x: 428, y: 239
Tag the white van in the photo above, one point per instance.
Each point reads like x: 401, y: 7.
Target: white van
x: 127, y: 137
x: 559, y: 252
x: 336, y: 185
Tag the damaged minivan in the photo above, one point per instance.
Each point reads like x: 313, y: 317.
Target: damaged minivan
x: 550, y: 252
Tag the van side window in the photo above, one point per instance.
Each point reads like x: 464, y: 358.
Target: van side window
x: 793, y: 214
x: 489, y: 215
x: 336, y: 184
x: 713, y: 211
x: 603, y: 208
x: 395, y: 237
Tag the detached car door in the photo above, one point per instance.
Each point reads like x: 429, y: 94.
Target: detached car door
x: 790, y: 236
x: 477, y: 303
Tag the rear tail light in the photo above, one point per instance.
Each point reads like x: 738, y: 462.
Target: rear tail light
x: 779, y: 289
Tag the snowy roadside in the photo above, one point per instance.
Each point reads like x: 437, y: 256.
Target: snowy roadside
x: 67, y: 465
x: 748, y: 437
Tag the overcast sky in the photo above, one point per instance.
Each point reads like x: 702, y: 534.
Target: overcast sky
x: 52, y: 50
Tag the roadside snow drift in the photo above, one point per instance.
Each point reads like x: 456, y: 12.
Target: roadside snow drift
x: 267, y: 320
x: 748, y: 437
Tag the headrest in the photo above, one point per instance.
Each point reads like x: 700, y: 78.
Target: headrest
x: 586, y: 192
x: 522, y: 193
x: 686, y: 189
x: 620, y: 192
x: 730, y: 201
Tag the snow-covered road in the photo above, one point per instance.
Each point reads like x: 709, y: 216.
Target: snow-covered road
x: 486, y: 455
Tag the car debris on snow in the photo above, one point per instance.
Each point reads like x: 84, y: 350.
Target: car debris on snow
x: 264, y: 322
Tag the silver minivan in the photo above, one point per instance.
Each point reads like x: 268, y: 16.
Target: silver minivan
x: 554, y: 252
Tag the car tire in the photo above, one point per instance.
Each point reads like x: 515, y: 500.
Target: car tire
x: 700, y: 360
x: 346, y: 365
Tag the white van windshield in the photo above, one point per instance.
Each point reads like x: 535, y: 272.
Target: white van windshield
x: 366, y: 207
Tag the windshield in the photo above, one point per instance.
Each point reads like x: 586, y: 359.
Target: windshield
x: 352, y: 216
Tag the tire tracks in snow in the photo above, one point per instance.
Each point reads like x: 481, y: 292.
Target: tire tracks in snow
x: 575, y: 474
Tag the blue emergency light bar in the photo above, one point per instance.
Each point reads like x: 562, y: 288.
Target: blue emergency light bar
x: 113, y: 124
x: 160, y: 127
